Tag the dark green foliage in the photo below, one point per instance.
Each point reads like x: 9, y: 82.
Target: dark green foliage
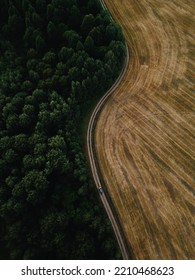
x: 94, y: 6
x: 56, y: 57
x: 89, y: 45
x: 113, y: 34
x: 52, y: 33
x: 87, y: 24
x: 40, y: 44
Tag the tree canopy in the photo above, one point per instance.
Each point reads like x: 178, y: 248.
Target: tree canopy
x: 56, y: 57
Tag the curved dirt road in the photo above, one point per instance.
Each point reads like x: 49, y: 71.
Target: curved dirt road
x: 144, y: 137
x: 94, y: 165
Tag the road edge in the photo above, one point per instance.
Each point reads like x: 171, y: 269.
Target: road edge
x: 95, y: 170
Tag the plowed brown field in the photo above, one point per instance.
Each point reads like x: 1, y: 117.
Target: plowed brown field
x: 144, y: 136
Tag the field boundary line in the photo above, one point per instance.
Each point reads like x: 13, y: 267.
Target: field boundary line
x: 96, y: 173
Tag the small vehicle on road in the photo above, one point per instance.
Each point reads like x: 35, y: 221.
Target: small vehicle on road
x: 100, y: 190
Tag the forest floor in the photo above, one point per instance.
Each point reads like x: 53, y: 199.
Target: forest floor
x: 144, y: 136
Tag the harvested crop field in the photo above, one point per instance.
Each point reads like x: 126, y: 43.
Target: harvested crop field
x: 144, y: 137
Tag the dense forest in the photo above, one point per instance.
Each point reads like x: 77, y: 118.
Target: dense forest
x: 56, y: 56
